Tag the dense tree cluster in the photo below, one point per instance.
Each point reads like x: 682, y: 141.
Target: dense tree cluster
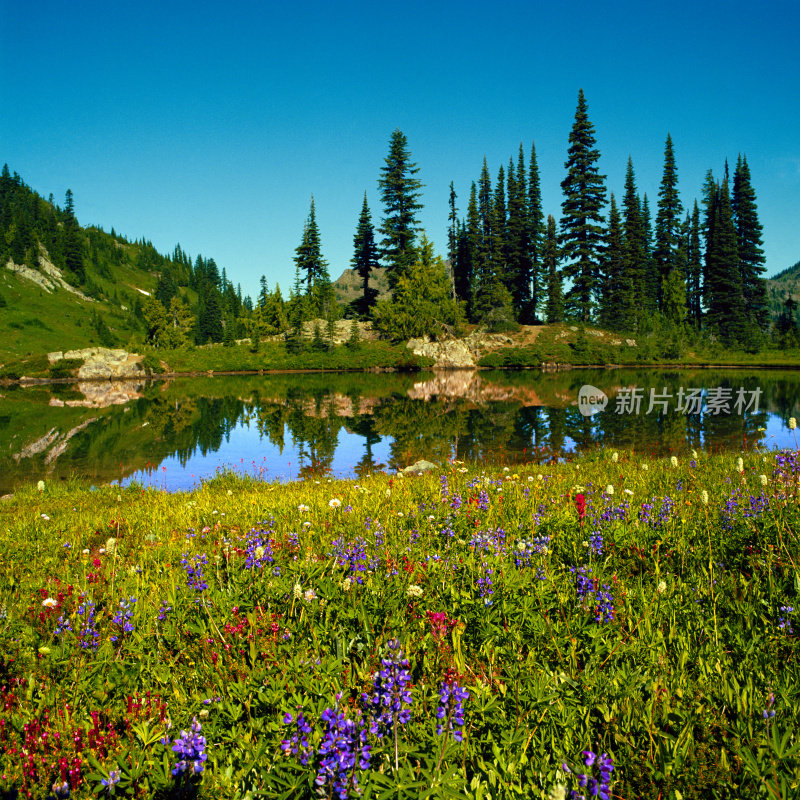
x: 602, y: 259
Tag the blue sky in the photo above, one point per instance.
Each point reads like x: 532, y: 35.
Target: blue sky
x: 212, y: 124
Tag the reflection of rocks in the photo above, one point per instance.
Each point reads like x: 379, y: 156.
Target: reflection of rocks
x: 101, y: 395
x: 54, y: 439
x: 458, y: 353
x: 101, y: 363
x: 339, y: 405
x: 468, y: 385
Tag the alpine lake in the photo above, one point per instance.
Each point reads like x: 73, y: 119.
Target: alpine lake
x: 173, y: 434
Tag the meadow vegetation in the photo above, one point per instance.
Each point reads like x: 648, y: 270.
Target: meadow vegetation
x: 610, y: 626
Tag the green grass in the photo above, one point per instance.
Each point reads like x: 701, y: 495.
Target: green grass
x: 473, y: 570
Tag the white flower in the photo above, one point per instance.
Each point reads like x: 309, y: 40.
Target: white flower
x: 346, y: 584
x: 609, y: 489
x: 400, y: 514
x: 792, y: 423
x: 310, y: 595
x: 297, y: 591
x: 462, y: 469
x: 704, y: 497
x: 763, y: 479
x: 414, y: 591
x: 557, y: 792
x: 45, y: 518
x: 431, y: 518
x: 674, y: 461
x: 101, y: 550
x: 521, y: 545
x: 259, y: 552
x: 334, y: 502
x: 111, y: 546
x: 662, y: 587
x: 85, y: 551
x: 49, y: 602
x: 40, y: 486
x: 740, y: 465
x: 230, y: 492
x: 540, y: 476
x: 628, y: 491
x: 303, y: 509
x: 694, y: 454
x: 505, y: 469
x: 645, y: 467
x: 615, y: 456
x: 306, y: 524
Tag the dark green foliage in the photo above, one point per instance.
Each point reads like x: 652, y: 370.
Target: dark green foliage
x: 209, y: 320
x: 365, y: 260
x: 748, y: 243
x: 104, y: 334
x: 550, y: 257
x: 535, y: 234
x: 635, y: 295
x: 313, y: 279
x: 166, y: 289
x: 581, y: 220
x: 65, y: 368
x: 400, y: 192
x: 668, y: 220
x: 693, y: 268
x: 73, y: 245
x: 612, y: 284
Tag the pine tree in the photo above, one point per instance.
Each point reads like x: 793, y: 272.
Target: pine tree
x: 518, y: 244
x: 536, y: 232
x: 72, y: 244
x: 581, y: 220
x: 613, y: 282
x: 400, y: 191
x: 668, y: 219
x: 468, y: 272
x: 748, y: 242
x: 635, y: 292
x: 724, y: 283
x: 694, y: 269
x: 365, y: 260
x: 652, y: 282
x: 312, y: 269
x: 554, y: 311
x: 452, y: 236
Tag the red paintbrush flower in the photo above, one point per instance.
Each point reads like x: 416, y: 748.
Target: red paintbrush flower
x: 580, y: 504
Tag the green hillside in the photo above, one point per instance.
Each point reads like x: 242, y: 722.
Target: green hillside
x: 784, y: 284
x: 63, y: 286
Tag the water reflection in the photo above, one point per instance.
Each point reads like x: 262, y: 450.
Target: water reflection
x: 172, y: 434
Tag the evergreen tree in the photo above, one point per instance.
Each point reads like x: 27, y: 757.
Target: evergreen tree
x: 724, y: 283
x: 400, y: 192
x: 312, y: 269
x: 365, y: 260
x: 668, y: 218
x: 209, y: 318
x: 452, y: 236
x: 469, y: 265
x: 263, y: 292
x: 555, y: 297
x: 613, y: 281
x: 166, y: 288
x: 652, y: 282
x: 748, y: 243
x: 694, y: 269
x: 518, y: 244
x: 634, y: 294
x: 536, y: 232
x: 72, y: 244
x: 581, y: 220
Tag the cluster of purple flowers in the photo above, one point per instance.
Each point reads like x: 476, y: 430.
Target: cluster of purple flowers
x: 258, y: 551
x: 597, y: 786
x: 769, y: 712
x: 164, y: 610
x: 352, y: 556
x: 124, y: 617
x: 109, y: 783
x: 190, y: 747
x: 787, y: 465
x: 596, y: 543
x: 390, y: 700
x: 88, y: 635
x: 298, y: 743
x: 450, y: 712
x: 619, y: 512
x: 604, y: 608
x: 193, y: 566
x: 344, y: 746
x: 649, y: 515
x: 443, y: 488
x: 62, y: 626
x: 526, y: 550
x: 584, y: 584
x: 785, y: 623
x: 485, y: 585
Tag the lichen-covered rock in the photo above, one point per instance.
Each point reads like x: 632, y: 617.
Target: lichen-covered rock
x: 419, y: 468
x: 458, y: 353
x: 101, y: 363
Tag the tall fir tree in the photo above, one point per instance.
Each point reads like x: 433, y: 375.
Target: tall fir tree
x: 469, y: 269
x: 635, y: 293
x: 724, y: 296
x: 749, y: 247
x: 518, y: 245
x: 668, y: 219
x: 554, y: 310
x: 694, y: 269
x: 452, y: 236
x: 400, y: 192
x: 582, y: 220
x: 72, y: 241
x: 536, y: 233
x: 312, y: 276
x: 365, y: 260
x: 612, y: 275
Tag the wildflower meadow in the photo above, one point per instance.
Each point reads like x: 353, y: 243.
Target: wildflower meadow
x: 613, y: 627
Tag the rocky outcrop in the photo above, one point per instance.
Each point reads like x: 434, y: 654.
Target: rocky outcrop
x: 101, y: 363
x: 458, y: 353
x: 418, y: 468
x: 48, y: 277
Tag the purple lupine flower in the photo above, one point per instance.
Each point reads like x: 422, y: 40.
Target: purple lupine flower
x: 451, y: 709
x: 258, y: 550
x: 190, y: 747
x: 124, y: 617
x: 390, y: 700
x: 604, y: 610
x: 596, y: 543
x: 784, y: 622
x: 298, y: 743
x: 343, y: 747
x: 597, y: 787
x: 88, y: 635
x: 485, y: 586
x: 583, y: 583
x: 112, y: 781
x: 164, y: 610
x: 193, y: 566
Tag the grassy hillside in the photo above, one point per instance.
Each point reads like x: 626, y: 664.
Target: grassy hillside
x: 786, y: 283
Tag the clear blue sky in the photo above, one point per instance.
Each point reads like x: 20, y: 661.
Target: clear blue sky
x: 211, y: 124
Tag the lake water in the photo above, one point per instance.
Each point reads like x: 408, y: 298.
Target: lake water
x: 174, y: 434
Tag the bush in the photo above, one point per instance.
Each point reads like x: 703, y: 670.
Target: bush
x: 65, y: 368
